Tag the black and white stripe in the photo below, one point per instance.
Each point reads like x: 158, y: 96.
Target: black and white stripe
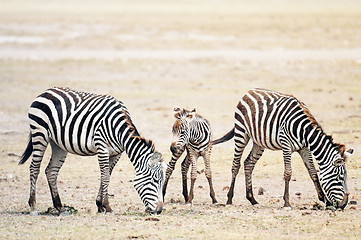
x: 89, y: 124
x: 281, y: 122
x: 191, y: 132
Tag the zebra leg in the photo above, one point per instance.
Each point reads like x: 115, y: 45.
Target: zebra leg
x: 185, y: 167
x: 193, y: 160
x: 112, y: 162
x: 40, y: 143
x: 249, y: 164
x: 58, y: 156
x: 103, y: 158
x: 170, y: 169
x: 240, y: 143
x: 306, y: 156
x: 208, y: 173
x: 287, y: 176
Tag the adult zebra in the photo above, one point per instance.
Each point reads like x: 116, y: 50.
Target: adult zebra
x: 88, y: 124
x: 279, y: 121
x: 191, y: 132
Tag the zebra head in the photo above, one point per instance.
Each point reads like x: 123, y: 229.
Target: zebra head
x: 333, y: 179
x: 149, y: 182
x: 181, y: 129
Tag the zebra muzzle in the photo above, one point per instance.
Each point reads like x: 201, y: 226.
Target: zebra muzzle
x: 157, y: 210
x: 344, y: 201
x: 174, y: 149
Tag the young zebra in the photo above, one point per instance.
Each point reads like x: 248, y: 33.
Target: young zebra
x: 191, y: 132
x: 88, y: 124
x: 281, y: 122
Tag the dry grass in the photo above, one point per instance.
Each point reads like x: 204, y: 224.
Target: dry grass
x: 179, y: 54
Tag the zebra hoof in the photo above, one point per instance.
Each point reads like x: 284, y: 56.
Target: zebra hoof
x: 109, y: 213
x: 64, y: 213
x: 34, y: 213
x: 287, y: 208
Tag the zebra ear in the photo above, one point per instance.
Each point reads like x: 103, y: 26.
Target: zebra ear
x: 155, y: 159
x: 176, y: 112
x: 339, y: 161
x: 348, y: 152
x: 194, y: 110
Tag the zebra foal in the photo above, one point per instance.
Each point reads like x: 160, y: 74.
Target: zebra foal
x: 89, y: 124
x: 191, y: 132
x: 279, y: 121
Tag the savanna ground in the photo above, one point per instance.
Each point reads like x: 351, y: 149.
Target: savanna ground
x: 155, y: 55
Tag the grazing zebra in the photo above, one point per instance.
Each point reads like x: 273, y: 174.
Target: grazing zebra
x: 278, y: 121
x: 88, y: 124
x: 191, y: 132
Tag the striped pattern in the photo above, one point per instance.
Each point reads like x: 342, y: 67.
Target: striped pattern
x: 191, y: 132
x: 89, y: 124
x: 281, y: 122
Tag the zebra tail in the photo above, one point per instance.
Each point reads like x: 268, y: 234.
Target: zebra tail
x: 225, y: 138
x: 28, y: 151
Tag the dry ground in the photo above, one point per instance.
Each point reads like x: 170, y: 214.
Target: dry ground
x: 154, y: 55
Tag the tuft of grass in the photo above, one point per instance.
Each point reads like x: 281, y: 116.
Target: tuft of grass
x: 55, y: 212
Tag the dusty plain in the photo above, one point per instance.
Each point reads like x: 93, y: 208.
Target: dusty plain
x: 155, y: 55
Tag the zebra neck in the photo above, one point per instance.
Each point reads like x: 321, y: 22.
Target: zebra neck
x: 137, y: 149
x: 321, y: 145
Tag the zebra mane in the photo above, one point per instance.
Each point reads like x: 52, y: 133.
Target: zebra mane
x: 310, y: 117
x: 129, y: 121
x: 341, y: 148
x: 147, y: 142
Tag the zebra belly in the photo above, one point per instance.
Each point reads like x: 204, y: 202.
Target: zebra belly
x: 87, y: 149
x: 267, y: 145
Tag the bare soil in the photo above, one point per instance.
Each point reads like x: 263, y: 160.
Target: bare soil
x: 193, y: 54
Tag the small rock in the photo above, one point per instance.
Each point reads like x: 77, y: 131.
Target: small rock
x: 353, y: 202
x: 226, y: 188
x: 260, y: 191
x: 316, y: 206
x: 298, y: 194
x: 332, y: 214
x: 152, y: 219
x: 172, y: 200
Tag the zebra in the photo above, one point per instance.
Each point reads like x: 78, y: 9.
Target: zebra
x: 279, y: 121
x: 191, y: 132
x: 89, y: 124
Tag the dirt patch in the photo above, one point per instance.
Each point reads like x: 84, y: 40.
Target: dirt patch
x: 153, y: 57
